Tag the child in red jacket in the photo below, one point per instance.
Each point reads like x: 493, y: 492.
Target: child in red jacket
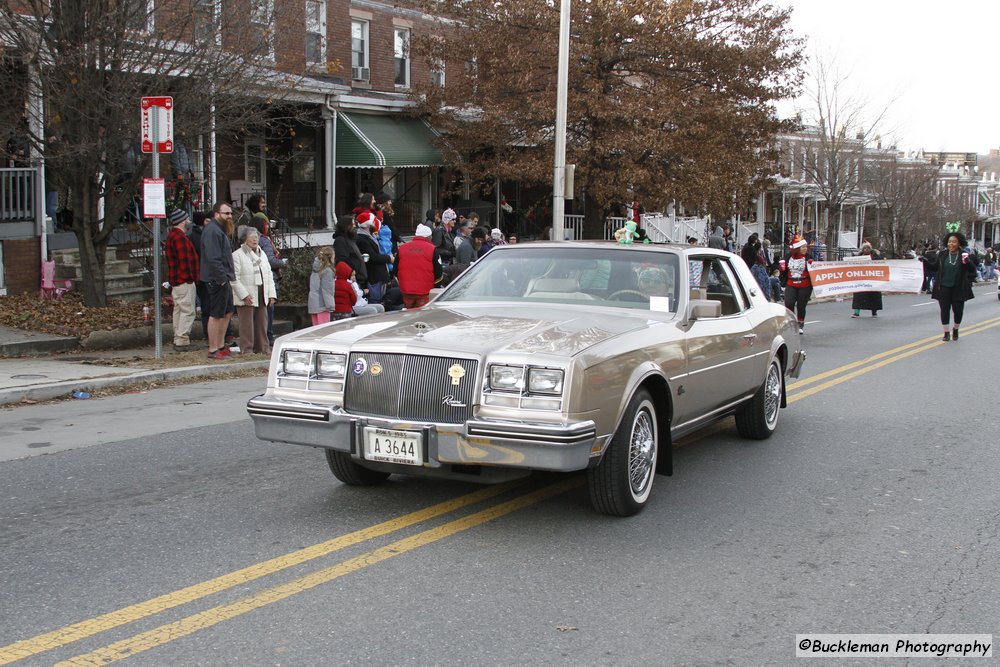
x: 344, y: 296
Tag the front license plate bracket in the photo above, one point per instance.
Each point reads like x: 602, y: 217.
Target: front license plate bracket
x: 385, y: 445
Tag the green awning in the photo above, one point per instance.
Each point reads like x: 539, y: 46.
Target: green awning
x: 374, y: 141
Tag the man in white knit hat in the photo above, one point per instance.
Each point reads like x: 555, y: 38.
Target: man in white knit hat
x: 419, y: 268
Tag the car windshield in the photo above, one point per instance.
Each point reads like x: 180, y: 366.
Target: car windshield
x: 598, y: 276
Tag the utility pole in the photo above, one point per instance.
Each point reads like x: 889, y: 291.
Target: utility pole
x: 562, y: 91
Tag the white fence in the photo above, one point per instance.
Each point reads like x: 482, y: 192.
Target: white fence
x: 659, y: 228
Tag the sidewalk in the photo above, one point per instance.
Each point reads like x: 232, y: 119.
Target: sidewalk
x: 37, y: 367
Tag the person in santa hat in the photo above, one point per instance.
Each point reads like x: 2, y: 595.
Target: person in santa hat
x: 794, y: 275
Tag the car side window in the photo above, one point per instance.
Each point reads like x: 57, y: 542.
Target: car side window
x: 721, y: 284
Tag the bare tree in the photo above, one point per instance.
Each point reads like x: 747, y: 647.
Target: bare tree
x: 841, y: 127
x: 667, y: 99
x: 91, y: 62
x: 904, y: 193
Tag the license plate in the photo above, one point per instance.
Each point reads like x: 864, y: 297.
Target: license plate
x: 389, y: 446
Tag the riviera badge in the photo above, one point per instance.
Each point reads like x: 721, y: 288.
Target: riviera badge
x: 456, y: 373
x: 360, y: 366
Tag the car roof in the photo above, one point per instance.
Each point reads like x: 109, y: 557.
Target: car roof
x: 637, y: 247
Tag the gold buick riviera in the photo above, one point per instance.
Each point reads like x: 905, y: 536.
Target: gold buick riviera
x: 542, y: 356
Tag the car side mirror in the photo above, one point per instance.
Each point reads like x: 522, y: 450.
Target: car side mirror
x: 699, y: 309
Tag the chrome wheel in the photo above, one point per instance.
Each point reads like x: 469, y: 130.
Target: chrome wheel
x: 620, y: 485
x: 758, y: 417
x: 772, y: 395
x: 642, y: 452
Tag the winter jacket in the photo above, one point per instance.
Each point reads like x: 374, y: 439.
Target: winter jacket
x: 419, y: 266
x: 344, y: 296
x: 966, y: 276
x: 320, y: 289
x: 717, y: 240
x: 445, y: 244
x: 345, y: 249
x: 388, y: 243
x: 216, y: 255
x: 251, y: 270
x: 378, y: 261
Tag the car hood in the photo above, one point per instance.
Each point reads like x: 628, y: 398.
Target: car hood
x: 480, y: 329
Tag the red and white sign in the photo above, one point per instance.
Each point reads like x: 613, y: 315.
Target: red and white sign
x: 164, y: 108
x: 154, y: 198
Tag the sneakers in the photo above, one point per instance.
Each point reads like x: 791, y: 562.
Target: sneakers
x: 221, y: 353
x: 854, y: 316
x: 947, y: 337
x: 802, y: 330
x: 954, y: 334
x: 182, y: 348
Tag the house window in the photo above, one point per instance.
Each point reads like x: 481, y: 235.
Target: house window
x: 139, y: 15
x: 359, y: 51
x: 401, y: 55
x: 255, y: 162
x: 437, y: 73
x: 206, y: 21
x: 262, y: 28
x: 316, y: 32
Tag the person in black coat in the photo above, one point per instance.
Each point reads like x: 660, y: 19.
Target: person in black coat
x: 377, y: 263
x: 345, y: 249
x: 867, y: 300
x: 956, y: 271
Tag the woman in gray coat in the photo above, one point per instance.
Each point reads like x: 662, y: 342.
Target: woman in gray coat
x: 321, y: 287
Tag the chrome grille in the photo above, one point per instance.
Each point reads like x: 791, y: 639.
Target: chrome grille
x: 410, y: 387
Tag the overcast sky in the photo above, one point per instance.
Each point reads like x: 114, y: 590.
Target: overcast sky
x: 939, y: 60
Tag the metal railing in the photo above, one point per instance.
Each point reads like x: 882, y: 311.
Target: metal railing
x: 18, y: 194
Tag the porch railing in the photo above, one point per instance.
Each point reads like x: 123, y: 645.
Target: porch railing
x: 18, y: 196
x: 659, y: 228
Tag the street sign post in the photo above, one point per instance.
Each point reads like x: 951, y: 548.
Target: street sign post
x: 157, y: 123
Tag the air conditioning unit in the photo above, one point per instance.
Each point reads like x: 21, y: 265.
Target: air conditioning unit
x: 360, y: 73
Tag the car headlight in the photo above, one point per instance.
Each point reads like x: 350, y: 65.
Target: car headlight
x: 506, y: 378
x: 331, y: 366
x: 545, y: 381
x: 295, y: 362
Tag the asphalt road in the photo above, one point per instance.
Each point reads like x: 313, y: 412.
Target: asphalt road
x: 156, y: 528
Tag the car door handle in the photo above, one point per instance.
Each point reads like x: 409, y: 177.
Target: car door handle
x: 750, y: 338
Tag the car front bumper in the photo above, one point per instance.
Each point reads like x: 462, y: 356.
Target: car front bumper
x: 479, y: 442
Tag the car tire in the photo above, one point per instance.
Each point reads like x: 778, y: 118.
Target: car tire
x: 350, y: 473
x: 757, y: 419
x: 621, y: 483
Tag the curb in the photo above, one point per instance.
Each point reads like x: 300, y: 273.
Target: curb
x: 64, y: 389
x: 29, y: 348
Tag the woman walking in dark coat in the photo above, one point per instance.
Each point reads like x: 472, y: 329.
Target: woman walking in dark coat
x: 867, y: 300
x: 955, y: 274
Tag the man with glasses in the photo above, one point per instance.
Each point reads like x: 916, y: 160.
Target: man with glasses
x: 217, y: 271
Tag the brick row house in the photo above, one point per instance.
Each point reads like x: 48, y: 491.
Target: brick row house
x: 349, y: 132
x: 796, y: 203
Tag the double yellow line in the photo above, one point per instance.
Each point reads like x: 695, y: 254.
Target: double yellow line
x: 797, y: 390
x: 165, y: 633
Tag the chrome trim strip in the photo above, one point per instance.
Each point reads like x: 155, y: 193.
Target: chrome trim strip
x: 709, y: 416
x: 725, y: 363
x: 263, y: 407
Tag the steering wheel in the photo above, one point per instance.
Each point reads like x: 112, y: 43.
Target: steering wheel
x: 623, y: 292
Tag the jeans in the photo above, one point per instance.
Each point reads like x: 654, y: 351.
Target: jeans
x: 775, y: 293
